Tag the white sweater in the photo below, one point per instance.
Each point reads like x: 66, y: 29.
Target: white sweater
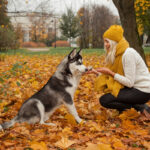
x: 136, y: 73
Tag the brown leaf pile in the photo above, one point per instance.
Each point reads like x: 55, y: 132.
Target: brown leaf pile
x: 22, y: 76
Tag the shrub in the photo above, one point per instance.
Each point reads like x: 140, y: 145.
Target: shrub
x: 40, y: 44
x: 29, y: 44
x: 33, y: 44
x: 61, y: 44
x: 7, y: 39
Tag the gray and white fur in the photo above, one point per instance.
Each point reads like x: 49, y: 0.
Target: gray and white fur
x: 59, y: 90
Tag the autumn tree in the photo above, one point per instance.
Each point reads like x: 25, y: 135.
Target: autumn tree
x: 84, y: 16
x: 128, y: 20
x: 39, y: 26
x: 4, y: 21
x: 142, y: 8
x: 99, y: 24
x: 69, y: 24
x: 19, y: 34
x: 7, y: 35
x: 40, y: 22
x: 93, y: 25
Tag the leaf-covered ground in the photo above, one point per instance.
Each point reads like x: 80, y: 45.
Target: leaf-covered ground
x: 22, y: 76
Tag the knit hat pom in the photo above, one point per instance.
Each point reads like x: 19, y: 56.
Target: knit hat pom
x: 115, y: 33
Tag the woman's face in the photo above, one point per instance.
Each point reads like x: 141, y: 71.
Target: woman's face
x: 106, y: 44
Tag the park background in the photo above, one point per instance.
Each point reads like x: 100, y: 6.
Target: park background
x: 34, y: 38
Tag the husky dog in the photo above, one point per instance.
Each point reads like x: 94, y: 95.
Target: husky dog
x: 59, y: 89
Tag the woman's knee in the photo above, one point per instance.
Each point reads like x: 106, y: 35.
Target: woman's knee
x: 105, y: 99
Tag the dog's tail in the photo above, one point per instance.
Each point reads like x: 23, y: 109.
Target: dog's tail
x: 8, y: 124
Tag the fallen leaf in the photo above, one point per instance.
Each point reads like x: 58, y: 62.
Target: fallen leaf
x: 129, y: 114
x: 92, y: 146
x: 70, y: 119
x: 8, y: 143
x: 102, y: 146
x: 119, y: 144
x: 38, y: 145
x: 127, y: 124
x: 64, y: 143
x: 146, y: 144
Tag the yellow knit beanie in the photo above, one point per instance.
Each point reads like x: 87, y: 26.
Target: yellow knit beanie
x: 115, y: 33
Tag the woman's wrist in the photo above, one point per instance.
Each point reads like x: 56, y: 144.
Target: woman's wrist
x: 112, y: 74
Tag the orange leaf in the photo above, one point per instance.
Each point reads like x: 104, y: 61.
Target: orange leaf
x: 8, y: 144
x: 127, y: 124
x: 118, y: 144
x: 64, y: 143
x: 129, y: 114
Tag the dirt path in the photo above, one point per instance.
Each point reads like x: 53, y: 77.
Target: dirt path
x: 38, y: 49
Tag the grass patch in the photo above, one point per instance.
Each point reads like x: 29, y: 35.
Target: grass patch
x: 53, y: 51
x: 61, y: 51
x: 147, y: 50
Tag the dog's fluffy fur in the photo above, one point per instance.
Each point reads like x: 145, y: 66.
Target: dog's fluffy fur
x: 59, y: 90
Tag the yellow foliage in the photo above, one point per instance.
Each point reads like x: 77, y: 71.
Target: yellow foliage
x: 141, y: 7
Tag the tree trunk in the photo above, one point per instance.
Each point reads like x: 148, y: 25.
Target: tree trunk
x: 148, y: 39
x: 128, y: 20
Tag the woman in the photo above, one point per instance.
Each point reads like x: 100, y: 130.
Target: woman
x: 126, y: 79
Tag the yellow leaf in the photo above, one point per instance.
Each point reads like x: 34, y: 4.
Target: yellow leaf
x: 38, y: 145
x: 87, y: 84
x: 64, y: 143
x: 99, y: 146
x: 146, y: 144
x: 26, y: 76
x: 92, y: 146
x: 102, y: 146
x: 67, y: 131
x: 70, y: 119
x: 35, y: 85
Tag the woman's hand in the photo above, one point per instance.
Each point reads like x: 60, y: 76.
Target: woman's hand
x: 106, y: 71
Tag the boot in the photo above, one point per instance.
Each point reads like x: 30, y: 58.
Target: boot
x: 141, y: 107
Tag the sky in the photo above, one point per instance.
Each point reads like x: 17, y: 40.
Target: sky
x: 57, y: 6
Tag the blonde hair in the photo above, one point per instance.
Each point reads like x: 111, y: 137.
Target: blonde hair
x: 110, y: 55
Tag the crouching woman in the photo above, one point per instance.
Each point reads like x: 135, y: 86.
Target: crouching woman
x: 126, y: 79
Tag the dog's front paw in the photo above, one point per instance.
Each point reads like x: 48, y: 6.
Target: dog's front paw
x: 48, y: 124
x: 80, y: 121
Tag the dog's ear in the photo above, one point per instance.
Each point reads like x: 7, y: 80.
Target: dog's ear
x: 80, y: 52
x: 72, y: 54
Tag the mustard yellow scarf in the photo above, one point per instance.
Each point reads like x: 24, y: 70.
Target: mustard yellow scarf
x: 106, y: 83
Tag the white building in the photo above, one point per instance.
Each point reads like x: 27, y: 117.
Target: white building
x: 22, y: 19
